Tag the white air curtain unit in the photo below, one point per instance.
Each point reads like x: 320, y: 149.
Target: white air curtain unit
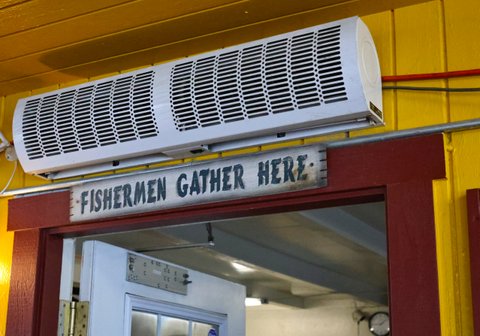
x: 311, y: 81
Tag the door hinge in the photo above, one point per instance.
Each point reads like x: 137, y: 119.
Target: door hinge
x: 73, y: 318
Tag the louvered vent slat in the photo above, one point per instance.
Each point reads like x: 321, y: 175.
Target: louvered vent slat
x: 93, y: 116
x: 280, y: 76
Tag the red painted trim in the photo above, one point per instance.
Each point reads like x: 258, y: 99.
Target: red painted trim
x: 473, y: 206
x: 51, y: 265
x: 238, y: 208
x: 349, y: 168
x: 356, y: 174
x: 413, y: 275
x: 388, y: 162
x: 39, y: 211
x: 35, y: 283
x: 23, y: 298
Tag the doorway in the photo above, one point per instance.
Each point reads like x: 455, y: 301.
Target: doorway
x: 388, y: 171
x: 320, y: 267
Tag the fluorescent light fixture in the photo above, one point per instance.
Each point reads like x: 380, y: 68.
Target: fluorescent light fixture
x: 241, y: 267
x: 252, y: 302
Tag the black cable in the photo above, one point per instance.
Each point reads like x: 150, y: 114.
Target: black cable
x: 426, y: 88
x: 358, y: 324
x: 210, y: 234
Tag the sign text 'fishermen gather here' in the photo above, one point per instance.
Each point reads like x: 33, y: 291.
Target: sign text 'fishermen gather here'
x: 258, y: 174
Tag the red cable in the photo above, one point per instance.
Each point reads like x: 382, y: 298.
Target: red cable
x: 434, y: 75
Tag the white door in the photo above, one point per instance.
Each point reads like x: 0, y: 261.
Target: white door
x: 134, y: 295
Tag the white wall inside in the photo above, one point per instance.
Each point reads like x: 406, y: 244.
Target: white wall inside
x: 335, y: 317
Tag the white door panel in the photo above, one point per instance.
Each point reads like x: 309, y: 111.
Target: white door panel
x: 112, y: 298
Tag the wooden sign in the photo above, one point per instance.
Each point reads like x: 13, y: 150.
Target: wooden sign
x: 263, y: 173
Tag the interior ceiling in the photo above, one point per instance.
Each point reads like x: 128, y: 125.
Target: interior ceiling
x: 45, y: 42
x: 291, y: 257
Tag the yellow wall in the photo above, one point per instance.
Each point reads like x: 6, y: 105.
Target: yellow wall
x: 6, y: 244
x: 430, y: 37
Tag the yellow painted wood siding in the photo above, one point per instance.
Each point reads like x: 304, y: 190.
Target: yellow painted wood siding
x: 429, y: 37
x: 6, y: 249
x: 420, y: 48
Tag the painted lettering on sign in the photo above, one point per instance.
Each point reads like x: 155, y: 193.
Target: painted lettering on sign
x: 269, y: 172
x: 122, y: 196
x: 211, y: 180
x: 259, y: 174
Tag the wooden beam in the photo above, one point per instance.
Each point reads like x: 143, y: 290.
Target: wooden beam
x: 35, y: 282
x: 349, y: 227
x: 413, y: 277
x: 279, y: 262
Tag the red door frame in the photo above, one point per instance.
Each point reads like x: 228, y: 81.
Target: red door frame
x: 473, y: 206
x: 398, y: 171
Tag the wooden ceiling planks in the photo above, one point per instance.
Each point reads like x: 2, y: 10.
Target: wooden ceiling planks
x: 89, y: 40
x: 9, y: 3
x: 162, y: 33
x: 100, y: 23
x: 31, y: 14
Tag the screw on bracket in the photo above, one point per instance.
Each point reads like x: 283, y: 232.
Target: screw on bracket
x: 186, y: 281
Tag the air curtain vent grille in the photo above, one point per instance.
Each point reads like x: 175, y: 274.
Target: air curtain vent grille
x: 276, y: 77
x: 98, y: 115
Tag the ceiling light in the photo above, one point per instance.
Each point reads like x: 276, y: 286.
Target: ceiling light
x: 241, y: 267
x: 252, y: 302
